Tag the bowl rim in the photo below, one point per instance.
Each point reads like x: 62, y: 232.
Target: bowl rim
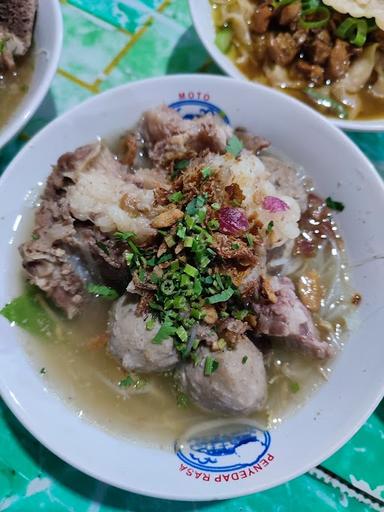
x: 29, y: 104
x: 24, y: 416
x: 374, y: 125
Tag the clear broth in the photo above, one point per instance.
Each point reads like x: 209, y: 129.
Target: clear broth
x: 14, y: 86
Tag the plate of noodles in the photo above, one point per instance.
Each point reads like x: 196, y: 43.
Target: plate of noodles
x: 327, y: 53
x: 191, y: 289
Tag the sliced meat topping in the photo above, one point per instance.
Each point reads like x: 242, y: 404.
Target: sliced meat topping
x: 290, y: 13
x: 282, y: 48
x: 320, y: 48
x: 261, y: 18
x: 172, y: 138
x: 339, y: 59
x: 312, y: 72
x: 289, y: 320
x: 251, y: 142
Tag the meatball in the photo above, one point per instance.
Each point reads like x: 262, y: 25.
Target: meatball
x: 238, y: 386
x: 131, y: 342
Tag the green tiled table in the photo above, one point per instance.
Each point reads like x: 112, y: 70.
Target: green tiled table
x: 108, y: 43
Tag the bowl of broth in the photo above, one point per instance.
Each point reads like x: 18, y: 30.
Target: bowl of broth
x: 189, y: 274
x: 324, y: 53
x: 31, y: 35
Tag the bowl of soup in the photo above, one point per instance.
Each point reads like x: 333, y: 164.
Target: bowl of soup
x: 30, y: 43
x: 192, y: 276
x: 327, y: 54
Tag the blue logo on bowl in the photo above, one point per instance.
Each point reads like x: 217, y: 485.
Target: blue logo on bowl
x: 189, y: 109
x: 223, y: 446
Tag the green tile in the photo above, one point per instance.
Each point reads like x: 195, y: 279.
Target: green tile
x: 90, y: 44
x: 164, y: 48
x: 179, y: 11
x: 358, y: 459
x: 126, y: 14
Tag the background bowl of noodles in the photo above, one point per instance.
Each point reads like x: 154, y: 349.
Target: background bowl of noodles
x: 310, y: 434
x: 237, y: 64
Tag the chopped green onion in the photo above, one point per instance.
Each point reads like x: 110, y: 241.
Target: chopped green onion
x: 250, y: 239
x: 325, y: 101
x: 216, y: 206
x: 354, y: 30
x: 190, y: 270
x: 241, y: 314
x: 188, y: 241
x: 184, y: 281
x: 124, y: 383
x: 235, y: 246
x: 210, y: 366
x: 163, y: 333
x: 182, y: 333
x: 223, y: 39
x: 221, y: 297
x: 195, y: 204
x: 179, y: 302
x: 100, y: 290
x: 150, y: 324
x: 167, y: 287
x: 141, y: 275
x: 269, y: 227
x: 334, y: 205
x: 176, y: 197
x: 206, y: 172
x: 181, y: 231
x: 164, y: 258
x: 170, y: 241
x: 213, y: 224
x: 294, y: 386
x: 182, y: 400
x: 197, y: 287
x: 128, y: 256
x: 322, y: 15
x: 221, y: 344
x: 244, y: 360
x: 181, y: 165
x: 124, y: 236
x: 234, y: 146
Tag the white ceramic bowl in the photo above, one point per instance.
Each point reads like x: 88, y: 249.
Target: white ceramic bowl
x: 201, y: 12
x: 330, y: 417
x: 47, y: 41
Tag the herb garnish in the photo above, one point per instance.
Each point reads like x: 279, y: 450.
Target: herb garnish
x: 176, y: 197
x: 43, y: 371
x: 210, y: 365
x: 206, y: 172
x: 234, y: 146
x: 100, y: 290
x: 181, y: 165
x: 334, y: 205
x: 244, y: 360
x: 269, y: 227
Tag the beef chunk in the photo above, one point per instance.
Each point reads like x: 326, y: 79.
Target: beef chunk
x: 312, y: 72
x: 290, y: 13
x: 282, y: 48
x: 339, y: 60
x: 261, y: 18
x: 320, y: 48
x: 16, y: 26
x: 289, y: 319
x: 70, y: 245
x: 172, y: 138
x: 251, y: 142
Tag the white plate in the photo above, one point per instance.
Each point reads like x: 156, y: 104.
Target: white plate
x: 47, y: 41
x: 201, y: 12
x: 331, y: 416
